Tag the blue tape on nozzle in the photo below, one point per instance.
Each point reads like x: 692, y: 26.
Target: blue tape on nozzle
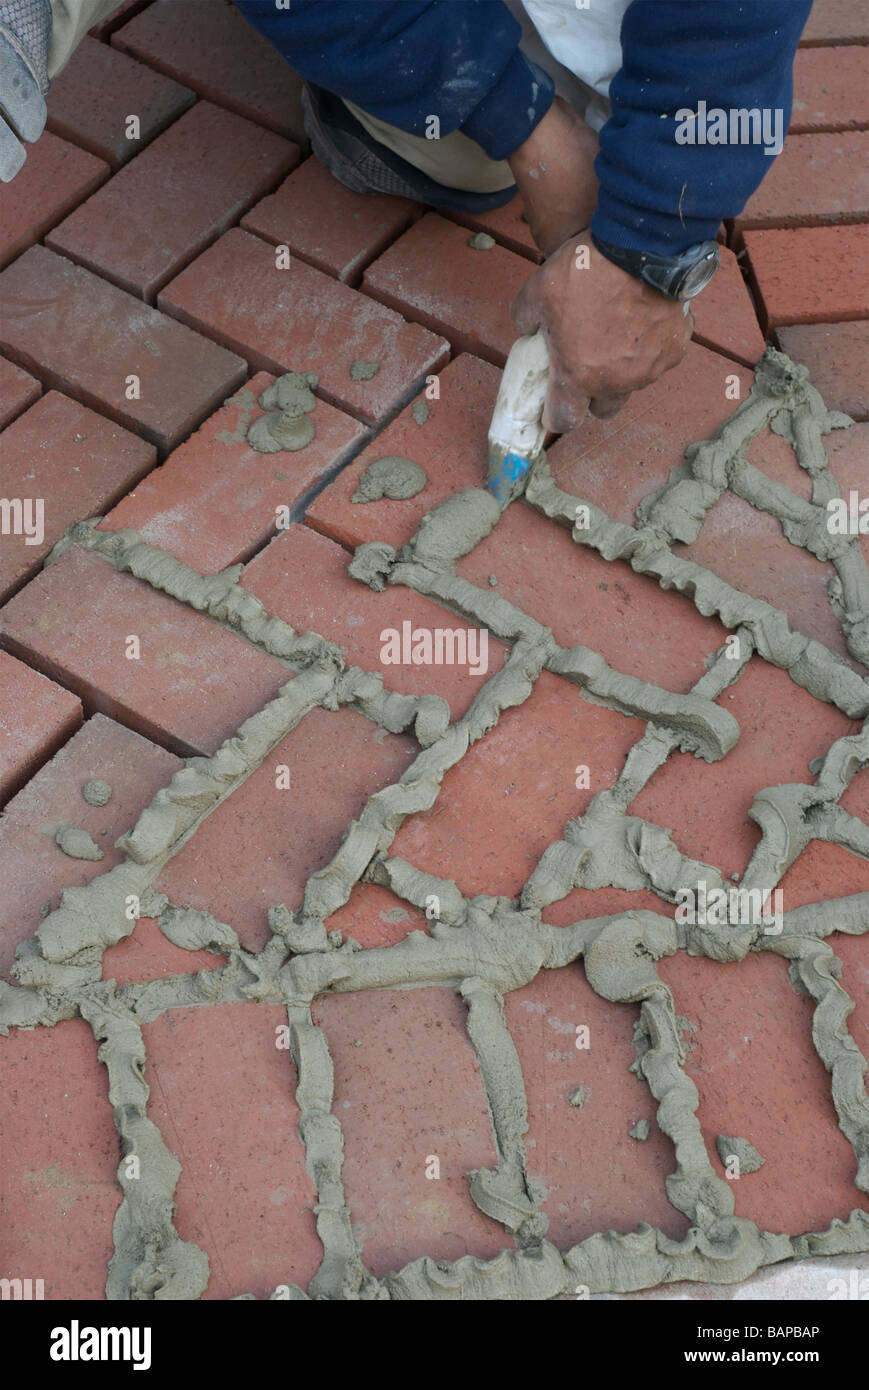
x: 515, y: 467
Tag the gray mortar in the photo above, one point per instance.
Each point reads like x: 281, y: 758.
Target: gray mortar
x: 77, y: 843
x: 481, y: 947
x: 641, y: 1131
x: 364, y: 371
x: 420, y: 411
x: 730, y: 1147
x: 393, y: 476
x: 481, y: 241
x: 288, y: 425
x: 96, y: 792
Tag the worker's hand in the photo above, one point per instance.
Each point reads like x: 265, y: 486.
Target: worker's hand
x: 554, y: 172
x: 608, y: 334
x: 24, y: 38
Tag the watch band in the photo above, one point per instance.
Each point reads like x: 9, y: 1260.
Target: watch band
x: 678, y: 277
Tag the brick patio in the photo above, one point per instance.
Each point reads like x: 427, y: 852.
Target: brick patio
x: 156, y: 258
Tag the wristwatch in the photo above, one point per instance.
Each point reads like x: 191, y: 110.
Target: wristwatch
x: 678, y: 277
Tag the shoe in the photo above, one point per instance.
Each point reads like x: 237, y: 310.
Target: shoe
x: 25, y: 35
x: 362, y: 164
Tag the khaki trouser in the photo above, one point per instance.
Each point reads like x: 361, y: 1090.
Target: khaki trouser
x: 576, y: 44
x: 70, y: 21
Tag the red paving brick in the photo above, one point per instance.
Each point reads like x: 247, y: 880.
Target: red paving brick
x: 124, y: 12
x: 848, y: 454
x: 55, y: 177
x: 831, y: 89
x: 18, y: 390
x: 760, y: 1027
x: 299, y: 319
x: 223, y: 1097
x: 174, y: 199
x: 597, y: 1177
x: 433, y: 275
x: 616, y: 462
x: 507, y: 225
x: 60, y: 1195
x: 815, y: 179
x: 193, y: 683
x: 36, y: 717
x: 260, y: 846
x: 587, y: 600
x: 837, y: 21
x: 236, y: 67
x: 32, y: 868
x: 302, y: 577
x: 215, y: 499
x: 799, y: 277
x: 498, y: 809
x: 90, y: 102
x: 724, y: 315
x: 85, y: 336
x: 837, y: 356
x: 411, y: 1091
x: 782, y: 728
x: 748, y: 549
x: 450, y: 447
x: 75, y: 462
x: 327, y: 225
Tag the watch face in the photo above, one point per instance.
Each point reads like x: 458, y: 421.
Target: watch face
x: 699, y: 275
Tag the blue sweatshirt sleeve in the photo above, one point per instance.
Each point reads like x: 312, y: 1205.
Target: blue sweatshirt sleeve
x: 406, y: 60
x: 657, y: 194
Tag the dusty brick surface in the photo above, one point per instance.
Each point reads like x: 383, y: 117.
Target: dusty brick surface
x: 36, y: 717
x: 283, y: 842
x: 450, y: 447
x: 215, y: 499
x: 748, y: 549
x: 433, y: 275
x: 18, y: 390
x: 90, y: 101
x: 761, y: 1025
x: 299, y: 319
x: 837, y: 356
x: 60, y: 1195
x: 54, y: 178
x: 411, y: 1090
x: 837, y: 21
x: 174, y: 199
x: 85, y: 337
x: 831, y: 89
x: 236, y: 67
x: 507, y: 225
x: 815, y: 179
x: 724, y: 315
x: 193, y: 683
x: 73, y: 460
x: 799, y: 277
x: 302, y: 576
x: 124, y: 12
x: 597, y: 1177
x: 223, y: 1097
x: 782, y: 728
x: 473, y: 835
x: 32, y: 868
x: 326, y: 224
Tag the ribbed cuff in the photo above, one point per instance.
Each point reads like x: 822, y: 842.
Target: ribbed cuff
x: 642, y: 229
x: 509, y: 112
